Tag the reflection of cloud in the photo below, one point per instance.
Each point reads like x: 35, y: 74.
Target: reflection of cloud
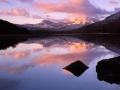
x: 84, y: 56
x: 21, y: 55
x: 80, y: 46
x: 20, y: 69
x: 9, y: 84
x: 66, y: 72
x: 17, y: 55
x: 37, y: 50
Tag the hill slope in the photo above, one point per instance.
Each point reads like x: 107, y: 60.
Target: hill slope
x: 9, y: 28
x: 110, y: 25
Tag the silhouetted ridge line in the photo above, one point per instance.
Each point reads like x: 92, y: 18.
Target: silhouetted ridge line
x: 9, y: 28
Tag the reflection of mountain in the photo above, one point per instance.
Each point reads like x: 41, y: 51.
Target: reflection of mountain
x: 110, y: 41
x: 71, y: 48
x: 77, y: 68
x: 109, y: 70
x: 60, y: 40
x: 11, y: 29
x: 5, y: 43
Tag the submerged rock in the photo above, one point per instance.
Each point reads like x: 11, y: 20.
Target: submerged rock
x: 109, y: 70
x: 77, y: 68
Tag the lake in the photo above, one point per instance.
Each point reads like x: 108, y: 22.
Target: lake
x: 37, y: 64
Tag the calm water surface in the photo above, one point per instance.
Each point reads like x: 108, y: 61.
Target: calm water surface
x: 37, y: 64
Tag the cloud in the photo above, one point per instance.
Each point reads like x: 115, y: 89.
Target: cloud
x: 28, y: 1
x: 74, y: 7
x: 36, y: 17
x: 2, y: 0
x: 5, y: 1
x: 117, y: 9
x: 113, y: 2
x: 16, y: 12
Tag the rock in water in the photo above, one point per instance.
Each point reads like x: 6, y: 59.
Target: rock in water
x: 77, y: 68
x: 109, y: 70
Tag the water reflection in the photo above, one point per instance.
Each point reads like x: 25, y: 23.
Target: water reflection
x: 34, y: 63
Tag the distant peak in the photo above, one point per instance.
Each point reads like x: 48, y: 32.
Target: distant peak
x: 83, y: 20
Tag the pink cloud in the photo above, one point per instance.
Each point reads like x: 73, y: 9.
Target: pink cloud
x: 4, y: 12
x: 2, y: 0
x: 5, y: 1
x: 80, y: 7
x: 17, y: 55
x: 64, y: 59
x: 19, y: 69
x: 36, y: 17
x: 26, y: 1
x: 113, y: 2
x: 66, y: 72
x: 16, y: 12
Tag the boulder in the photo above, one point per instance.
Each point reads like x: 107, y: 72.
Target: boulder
x: 109, y: 70
x: 77, y: 68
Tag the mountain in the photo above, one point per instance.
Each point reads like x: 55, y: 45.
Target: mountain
x: 11, y: 29
x: 74, y: 23
x: 109, y: 25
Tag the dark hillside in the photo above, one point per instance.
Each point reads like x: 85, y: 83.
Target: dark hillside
x: 9, y: 28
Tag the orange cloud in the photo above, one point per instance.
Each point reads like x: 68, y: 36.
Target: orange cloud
x: 19, y: 55
x: 16, y: 12
x: 78, y: 46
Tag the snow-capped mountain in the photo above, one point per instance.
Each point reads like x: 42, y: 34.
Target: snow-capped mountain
x: 73, y: 23
x: 109, y: 25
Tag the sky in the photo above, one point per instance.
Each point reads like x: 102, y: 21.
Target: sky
x: 34, y: 11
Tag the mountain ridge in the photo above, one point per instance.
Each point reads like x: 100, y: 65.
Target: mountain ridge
x: 110, y: 24
x: 60, y: 26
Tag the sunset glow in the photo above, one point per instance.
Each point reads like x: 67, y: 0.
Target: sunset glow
x: 34, y: 11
